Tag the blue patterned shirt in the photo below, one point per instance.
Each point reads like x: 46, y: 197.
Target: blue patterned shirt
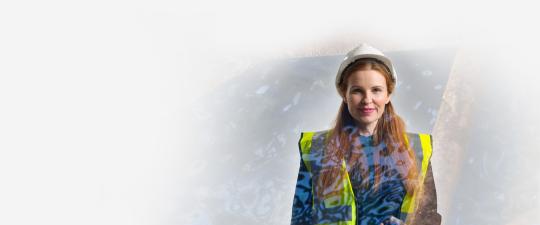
x: 375, y: 207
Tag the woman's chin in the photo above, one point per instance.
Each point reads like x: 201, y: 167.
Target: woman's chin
x: 365, y: 121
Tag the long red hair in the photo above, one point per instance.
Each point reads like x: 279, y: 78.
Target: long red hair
x: 390, y: 129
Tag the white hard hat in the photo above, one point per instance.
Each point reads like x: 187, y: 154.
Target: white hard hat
x: 364, y: 51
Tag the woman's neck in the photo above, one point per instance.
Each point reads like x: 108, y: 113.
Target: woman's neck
x: 366, y: 130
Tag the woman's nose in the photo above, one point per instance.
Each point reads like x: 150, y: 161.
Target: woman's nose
x: 367, y: 98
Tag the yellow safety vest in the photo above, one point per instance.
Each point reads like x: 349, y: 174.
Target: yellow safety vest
x: 340, y: 209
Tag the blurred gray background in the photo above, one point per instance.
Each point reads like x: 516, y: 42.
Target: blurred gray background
x: 254, y: 122
x: 482, y: 142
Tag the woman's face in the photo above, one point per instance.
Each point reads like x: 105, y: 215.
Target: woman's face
x: 366, y: 96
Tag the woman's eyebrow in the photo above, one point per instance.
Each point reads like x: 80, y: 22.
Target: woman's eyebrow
x: 356, y: 87
x: 376, y: 86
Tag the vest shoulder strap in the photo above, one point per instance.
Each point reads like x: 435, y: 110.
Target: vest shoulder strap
x: 311, y: 141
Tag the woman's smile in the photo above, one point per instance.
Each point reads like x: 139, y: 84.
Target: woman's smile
x: 367, y: 111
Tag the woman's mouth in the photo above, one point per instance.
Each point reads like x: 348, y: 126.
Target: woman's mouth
x: 367, y: 110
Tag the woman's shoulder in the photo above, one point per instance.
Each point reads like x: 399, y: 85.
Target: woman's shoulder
x: 416, y: 133
x: 315, y: 131
x: 305, y: 135
x: 419, y: 136
x: 308, y: 138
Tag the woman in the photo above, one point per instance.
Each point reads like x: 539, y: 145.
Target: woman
x: 366, y: 169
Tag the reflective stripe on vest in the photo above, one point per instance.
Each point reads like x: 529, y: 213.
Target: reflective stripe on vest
x: 422, y: 148
x: 340, y: 209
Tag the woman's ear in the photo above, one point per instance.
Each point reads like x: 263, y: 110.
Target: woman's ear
x: 342, y: 96
x: 388, y: 99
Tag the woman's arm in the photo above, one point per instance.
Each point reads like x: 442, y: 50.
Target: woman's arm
x: 302, y: 203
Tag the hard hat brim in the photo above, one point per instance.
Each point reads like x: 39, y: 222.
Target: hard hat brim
x: 350, y: 59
